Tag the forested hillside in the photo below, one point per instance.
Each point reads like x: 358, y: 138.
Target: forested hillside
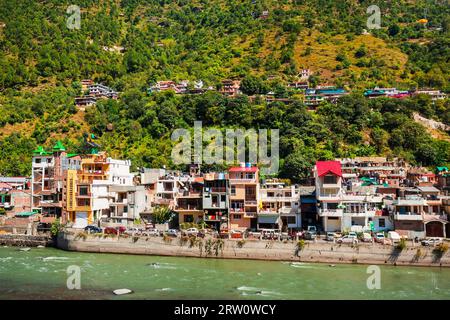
x: 131, y: 44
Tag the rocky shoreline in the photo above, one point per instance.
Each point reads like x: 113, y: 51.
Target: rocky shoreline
x: 22, y: 240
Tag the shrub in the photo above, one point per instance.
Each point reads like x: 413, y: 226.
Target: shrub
x: 441, y: 249
x: 240, y: 243
x: 401, y: 245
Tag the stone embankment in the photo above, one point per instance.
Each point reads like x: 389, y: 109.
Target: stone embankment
x: 363, y: 253
x: 22, y: 240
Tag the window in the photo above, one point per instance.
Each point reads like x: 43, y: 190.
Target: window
x: 291, y: 220
x: 83, y: 191
x: 287, y: 204
x: 381, y: 223
x: 270, y: 194
x: 37, y: 160
x: 330, y: 179
x: 233, y: 190
x: 49, y: 160
x: 236, y: 216
x: 223, y: 198
x: 189, y: 218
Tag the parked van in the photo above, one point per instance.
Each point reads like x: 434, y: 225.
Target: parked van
x: 394, y: 236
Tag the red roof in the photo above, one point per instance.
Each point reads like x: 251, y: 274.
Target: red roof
x: 325, y: 167
x: 243, y: 169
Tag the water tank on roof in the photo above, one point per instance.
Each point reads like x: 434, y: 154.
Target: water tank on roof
x: 248, y: 165
x: 242, y: 164
x: 221, y: 176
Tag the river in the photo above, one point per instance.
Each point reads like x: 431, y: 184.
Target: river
x: 42, y: 274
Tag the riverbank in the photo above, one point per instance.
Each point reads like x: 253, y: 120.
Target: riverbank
x: 23, y: 240
x: 331, y: 253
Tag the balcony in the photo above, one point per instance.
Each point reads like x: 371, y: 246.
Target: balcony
x: 49, y: 203
x: 329, y: 196
x: 242, y: 181
x: 215, y: 189
x: 412, y: 216
x: 368, y: 213
x: 211, y: 217
x: 120, y: 202
x: 83, y: 208
x: 188, y: 208
x: 84, y: 195
x: 237, y: 209
x: 250, y: 214
x: 331, y: 212
x: 251, y: 203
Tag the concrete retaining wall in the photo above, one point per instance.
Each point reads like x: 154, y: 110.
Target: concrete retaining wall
x: 257, y: 250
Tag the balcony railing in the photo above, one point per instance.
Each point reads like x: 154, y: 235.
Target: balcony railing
x: 250, y: 215
x: 331, y: 212
x: 408, y: 216
x: 188, y: 208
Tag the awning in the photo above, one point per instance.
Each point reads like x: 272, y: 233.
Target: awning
x: 25, y: 214
x: 308, y: 200
x: 268, y: 219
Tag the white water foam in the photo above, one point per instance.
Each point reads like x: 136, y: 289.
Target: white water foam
x: 55, y: 259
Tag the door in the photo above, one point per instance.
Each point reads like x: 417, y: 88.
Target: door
x: 81, y: 220
x: 434, y: 229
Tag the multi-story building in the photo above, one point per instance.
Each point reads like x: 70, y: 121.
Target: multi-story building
x: 87, y: 190
x: 15, y: 195
x: 328, y: 176
x: 244, y: 191
x: 102, y: 91
x: 230, y: 87
x: 190, y: 200
x: 216, y: 200
x: 342, y: 207
x: 126, y: 203
x: 280, y: 206
x: 47, y: 179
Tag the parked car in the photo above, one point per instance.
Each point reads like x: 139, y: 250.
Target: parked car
x: 379, y: 237
x: 353, y: 234
x: 312, y: 228
x: 191, y: 232
x: 132, y: 231
x: 330, y: 236
x: 111, y: 230
x: 310, y: 235
x: 150, y: 233
x: 347, y: 239
x: 121, y: 229
x: 431, y: 241
x: 366, y: 237
x: 172, y: 233
x: 270, y: 234
x: 93, y: 229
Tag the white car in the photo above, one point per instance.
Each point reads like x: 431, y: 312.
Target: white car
x: 379, y: 237
x: 191, y: 232
x: 431, y: 241
x: 150, y: 232
x: 366, y: 237
x: 347, y: 239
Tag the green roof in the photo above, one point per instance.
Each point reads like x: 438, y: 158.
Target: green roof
x: 40, y: 151
x: 25, y: 214
x: 70, y: 155
x: 59, y: 146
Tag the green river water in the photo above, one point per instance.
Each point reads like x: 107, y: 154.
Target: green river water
x: 42, y: 274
